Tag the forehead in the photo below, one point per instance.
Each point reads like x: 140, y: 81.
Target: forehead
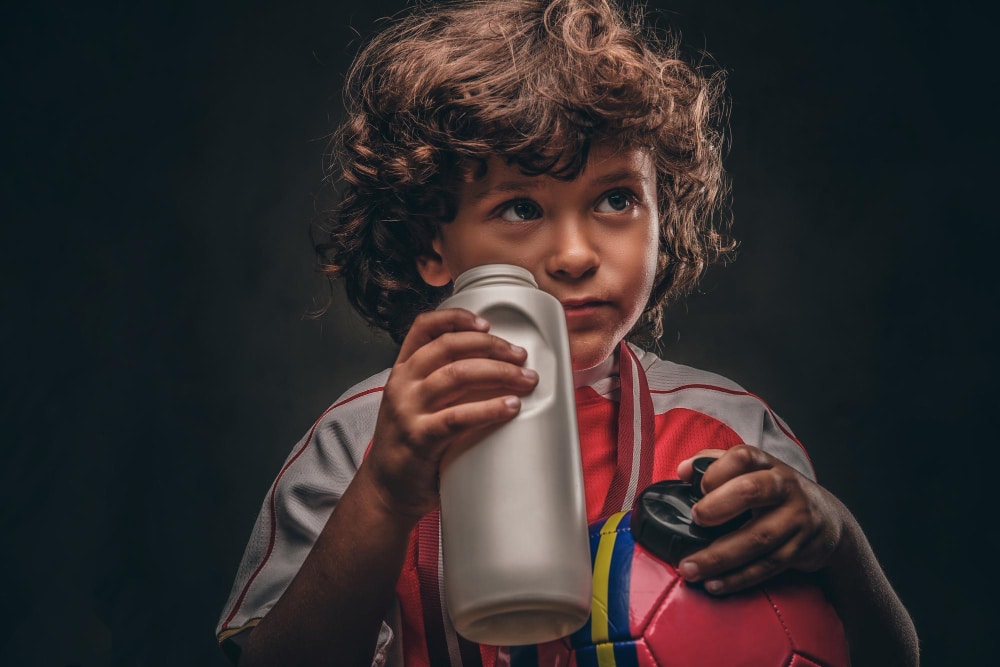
x: 604, y: 163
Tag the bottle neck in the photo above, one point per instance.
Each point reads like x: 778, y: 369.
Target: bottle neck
x: 494, y: 274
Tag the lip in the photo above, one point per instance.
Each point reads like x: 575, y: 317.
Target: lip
x: 577, y: 304
x: 580, y: 311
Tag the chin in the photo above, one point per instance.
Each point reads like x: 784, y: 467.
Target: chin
x: 590, y: 355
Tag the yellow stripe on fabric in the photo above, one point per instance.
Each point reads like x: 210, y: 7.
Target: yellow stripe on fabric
x: 226, y: 634
x: 606, y: 655
x: 599, y: 604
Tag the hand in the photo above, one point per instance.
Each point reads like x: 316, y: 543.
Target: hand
x: 796, y: 523
x: 451, y: 385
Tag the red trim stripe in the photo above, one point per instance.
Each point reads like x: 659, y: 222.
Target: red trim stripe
x: 273, y: 509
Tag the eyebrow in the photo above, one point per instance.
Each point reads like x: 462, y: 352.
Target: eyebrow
x: 626, y: 174
x: 521, y: 185
x: 506, y: 187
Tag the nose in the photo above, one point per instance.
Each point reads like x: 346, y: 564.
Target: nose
x: 574, y: 254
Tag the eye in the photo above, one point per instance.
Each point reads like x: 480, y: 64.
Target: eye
x: 519, y: 211
x: 615, y: 202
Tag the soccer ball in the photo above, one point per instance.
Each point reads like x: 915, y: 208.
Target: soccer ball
x: 645, y: 615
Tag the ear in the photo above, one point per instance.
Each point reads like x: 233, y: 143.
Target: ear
x: 432, y: 267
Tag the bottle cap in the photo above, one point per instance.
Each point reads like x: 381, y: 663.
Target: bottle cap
x: 661, y: 517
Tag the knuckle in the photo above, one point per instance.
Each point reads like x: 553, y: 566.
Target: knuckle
x: 499, y: 345
x: 709, y: 560
x: 783, y: 488
x: 454, y: 372
x: 422, y: 319
x: 761, y: 539
x: 445, y: 347
x: 809, y: 520
x: 417, y: 432
x: 744, y: 454
x: 739, y: 456
x: 749, y: 488
x: 450, y: 422
x: 770, y: 565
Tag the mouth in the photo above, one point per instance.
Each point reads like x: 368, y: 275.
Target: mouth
x: 574, y: 304
x: 582, y: 308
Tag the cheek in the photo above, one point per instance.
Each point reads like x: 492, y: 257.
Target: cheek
x: 647, y: 259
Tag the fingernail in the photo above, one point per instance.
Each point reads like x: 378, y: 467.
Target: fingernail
x: 529, y: 373
x: 481, y: 323
x: 512, y: 402
x: 688, y: 570
x: 517, y: 349
x: 713, y: 586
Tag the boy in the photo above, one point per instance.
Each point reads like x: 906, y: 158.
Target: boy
x: 560, y: 137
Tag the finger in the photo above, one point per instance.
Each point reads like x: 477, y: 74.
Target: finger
x: 429, y: 325
x: 749, y: 491
x: 735, y: 462
x: 469, y: 419
x: 686, y: 467
x: 757, y: 572
x: 764, y: 535
x: 454, y: 346
x: 471, y: 380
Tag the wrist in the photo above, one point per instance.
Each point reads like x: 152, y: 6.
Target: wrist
x: 377, y: 500
x: 850, y: 545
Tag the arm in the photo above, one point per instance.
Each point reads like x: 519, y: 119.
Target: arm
x: 878, y: 628
x: 325, y: 612
x: 452, y: 383
x: 797, y: 524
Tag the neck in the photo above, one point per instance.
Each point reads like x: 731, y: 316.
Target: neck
x: 589, y: 376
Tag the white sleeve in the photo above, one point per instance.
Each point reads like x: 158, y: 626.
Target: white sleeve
x: 295, y: 510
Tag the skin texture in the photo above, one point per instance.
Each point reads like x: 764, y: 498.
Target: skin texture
x: 591, y: 242
x: 325, y: 612
x: 796, y: 524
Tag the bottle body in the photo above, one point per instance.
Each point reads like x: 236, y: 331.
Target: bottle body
x: 513, y: 512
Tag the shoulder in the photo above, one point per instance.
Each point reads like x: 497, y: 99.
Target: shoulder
x: 324, y: 461
x: 364, y: 393
x: 350, y: 420
x: 359, y: 398
x: 298, y: 504
x: 665, y: 376
x: 674, y: 386
x: 358, y: 405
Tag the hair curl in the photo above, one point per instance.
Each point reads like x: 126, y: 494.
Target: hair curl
x: 536, y: 83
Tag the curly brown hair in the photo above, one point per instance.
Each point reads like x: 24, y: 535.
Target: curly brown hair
x: 537, y: 82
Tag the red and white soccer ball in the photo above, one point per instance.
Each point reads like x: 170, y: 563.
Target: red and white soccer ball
x: 650, y: 617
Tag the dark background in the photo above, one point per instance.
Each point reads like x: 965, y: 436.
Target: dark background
x: 162, y: 164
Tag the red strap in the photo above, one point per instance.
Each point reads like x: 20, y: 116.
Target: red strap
x: 634, y: 466
x: 428, y: 541
x: 438, y: 630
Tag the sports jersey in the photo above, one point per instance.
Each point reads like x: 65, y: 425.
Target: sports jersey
x: 633, y: 397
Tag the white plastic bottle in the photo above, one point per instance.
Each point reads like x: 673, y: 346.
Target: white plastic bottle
x: 513, y: 513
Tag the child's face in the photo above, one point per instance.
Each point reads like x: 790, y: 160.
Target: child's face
x: 590, y: 242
